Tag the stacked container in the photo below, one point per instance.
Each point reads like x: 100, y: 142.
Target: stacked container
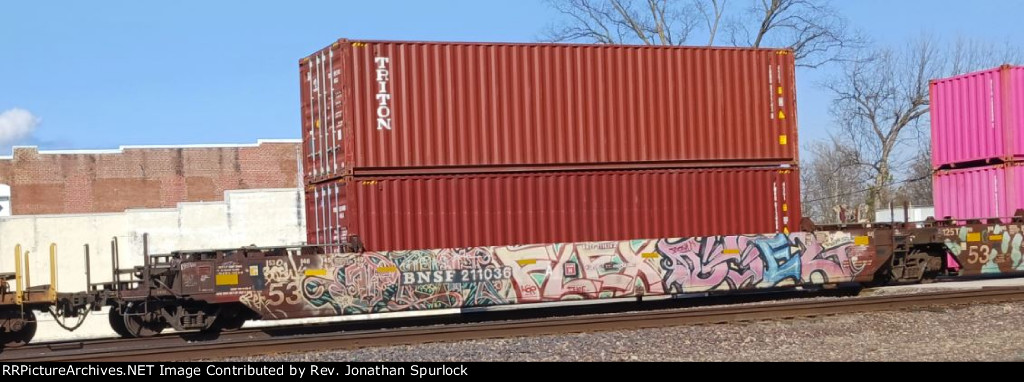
x: 979, y: 192
x: 415, y: 145
x: 978, y: 143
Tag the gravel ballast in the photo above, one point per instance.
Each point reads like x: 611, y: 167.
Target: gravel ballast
x: 990, y: 332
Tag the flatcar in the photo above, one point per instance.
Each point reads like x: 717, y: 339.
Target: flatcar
x: 19, y: 302
x: 221, y: 289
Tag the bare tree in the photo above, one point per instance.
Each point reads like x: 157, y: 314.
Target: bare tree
x: 830, y: 179
x: 917, y: 190
x: 877, y: 99
x: 712, y: 16
x: 816, y: 32
x: 650, y: 22
x: 969, y: 55
x: 881, y: 106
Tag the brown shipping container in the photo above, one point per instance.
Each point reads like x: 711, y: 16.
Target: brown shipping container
x: 454, y: 211
x: 391, y: 108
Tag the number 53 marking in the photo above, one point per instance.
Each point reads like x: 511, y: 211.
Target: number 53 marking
x: 979, y: 254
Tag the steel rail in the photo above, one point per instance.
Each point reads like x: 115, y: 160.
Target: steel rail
x: 261, y: 341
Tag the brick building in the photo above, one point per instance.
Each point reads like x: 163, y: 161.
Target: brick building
x: 91, y: 181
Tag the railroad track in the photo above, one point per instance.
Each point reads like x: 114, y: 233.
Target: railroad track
x: 263, y: 341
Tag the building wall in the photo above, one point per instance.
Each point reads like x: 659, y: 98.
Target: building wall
x: 266, y: 217
x: 96, y: 181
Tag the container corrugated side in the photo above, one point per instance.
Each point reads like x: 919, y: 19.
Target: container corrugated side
x: 455, y: 211
x: 1015, y: 114
x: 978, y: 117
x: 387, y: 108
x: 979, y: 193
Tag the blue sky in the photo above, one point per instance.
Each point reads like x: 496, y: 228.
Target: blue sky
x: 101, y: 74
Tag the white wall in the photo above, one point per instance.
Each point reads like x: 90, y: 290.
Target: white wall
x: 245, y: 217
x: 916, y: 214
x: 5, y: 200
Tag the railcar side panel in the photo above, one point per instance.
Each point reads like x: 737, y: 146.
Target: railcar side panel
x: 377, y: 282
x: 985, y: 249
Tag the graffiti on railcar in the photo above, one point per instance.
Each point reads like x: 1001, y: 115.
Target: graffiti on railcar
x: 408, y: 280
x: 274, y: 285
x: 989, y: 249
x: 834, y: 257
x: 708, y: 263
x: 741, y: 262
x: 378, y: 282
x: 582, y: 270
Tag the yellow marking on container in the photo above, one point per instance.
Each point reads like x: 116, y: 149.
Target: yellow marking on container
x: 650, y: 255
x: 316, y: 272
x: 785, y: 230
x: 523, y: 263
x: 254, y: 270
x: 317, y: 123
x: 974, y: 237
x: 783, y: 140
x: 731, y: 252
x: 785, y: 207
x: 862, y: 241
x: 389, y: 269
x: 231, y: 279
x: 780, y: 90
x: 995, y: 238
x: 782, y: 115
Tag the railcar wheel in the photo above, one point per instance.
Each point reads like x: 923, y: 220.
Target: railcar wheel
x: 17, y: 330
x: 117, y: 322
x: 135, y: 321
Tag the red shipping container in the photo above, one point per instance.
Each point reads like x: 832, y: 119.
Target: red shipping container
x: 978, y: 117
x: 407, y: 108
x: 455, y: 211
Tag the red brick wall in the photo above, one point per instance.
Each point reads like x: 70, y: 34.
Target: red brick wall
x: 64, y: 183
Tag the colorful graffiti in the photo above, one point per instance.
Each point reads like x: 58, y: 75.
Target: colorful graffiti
x: 413, y: 280
x: 986, y: 249
x: 339, y: 284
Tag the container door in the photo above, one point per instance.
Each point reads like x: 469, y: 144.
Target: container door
x: 785, y: 190
x: 323, y: 123
x: 325, y: 214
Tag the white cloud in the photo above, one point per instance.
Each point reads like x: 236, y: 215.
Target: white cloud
x: 17, y: 124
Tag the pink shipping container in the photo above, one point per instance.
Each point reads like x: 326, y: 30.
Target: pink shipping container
x: 408, y: 108
x: 980, y: 192
x: 456, y: 211
x: 978, y: 117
